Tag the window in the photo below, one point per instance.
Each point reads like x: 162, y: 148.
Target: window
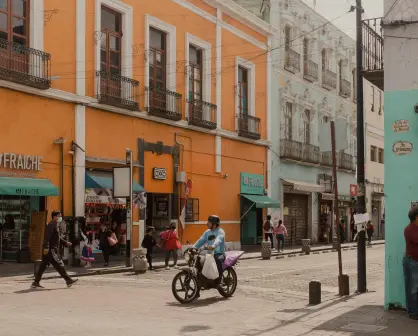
x: 324, y: 58
x: 306, y: 51
x: 14, y: 23
x: 287, y: 38
x: 288, y: 121
x: 373, y: 153
x: 355, y: 147
x: 111, y: 41
x: 381, y: 155
x: 192, y: 210
x: 340, y: 70
x: 243, y: 90
x: 195, y: 73
x: 307, y: 127
x: 380, y: 103
x: 372, y: 102
x: 157, y: 59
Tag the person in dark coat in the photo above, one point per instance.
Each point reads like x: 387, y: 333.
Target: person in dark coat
x: 50, y: 254
x: 104, y: 245
x: 149, y: 242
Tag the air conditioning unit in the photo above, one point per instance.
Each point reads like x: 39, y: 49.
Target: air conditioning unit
x: 181, y: 177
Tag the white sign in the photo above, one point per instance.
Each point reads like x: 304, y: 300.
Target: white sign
x: 361, y: 218
x: 159, y: 173
x: 20, y: 161
x: 121, y: 182
x: 400, y: 126
x: 402, y: 147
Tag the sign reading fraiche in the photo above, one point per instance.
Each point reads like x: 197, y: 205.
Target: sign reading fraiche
x: 20, y: 161
x: 159, y: 173
x: 252, y: 184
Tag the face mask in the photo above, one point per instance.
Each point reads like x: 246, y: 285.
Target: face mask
x: 59, y: 219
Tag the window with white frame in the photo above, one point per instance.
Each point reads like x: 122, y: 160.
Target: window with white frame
x: 288, y: 121
x: 307, y: 126
x: 245, y: 87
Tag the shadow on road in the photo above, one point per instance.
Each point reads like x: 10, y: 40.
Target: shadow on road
x: 31, y: 290
x: 194, y: 328
x: 198, y: 303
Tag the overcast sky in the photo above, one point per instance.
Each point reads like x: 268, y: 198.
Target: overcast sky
x: 333, y: 8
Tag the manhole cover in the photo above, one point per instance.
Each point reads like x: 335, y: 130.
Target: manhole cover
x: 363, y: 327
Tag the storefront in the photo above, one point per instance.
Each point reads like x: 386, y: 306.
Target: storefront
x: 23, y: 204
x: 253, y: 201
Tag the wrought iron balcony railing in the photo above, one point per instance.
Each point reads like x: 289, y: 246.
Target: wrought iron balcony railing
x: 345, y: 88
x: 249, y: 126
x: 202, y: 114
x: 24, y: 65
x: 372, y: 52
x: 164, y: 103
x: 329, y: 79
x: 292, y: 61
x: 310, y: 71
x: 299, y: 151
x: 117, y: 90
x: 344, y: 160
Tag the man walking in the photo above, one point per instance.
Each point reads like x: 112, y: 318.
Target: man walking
x: 268, y: 230
x: 50, y: 253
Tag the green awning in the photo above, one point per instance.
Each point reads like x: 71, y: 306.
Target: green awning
x: 262, y: 201
x: 27, y: 187
x: 102, y: 182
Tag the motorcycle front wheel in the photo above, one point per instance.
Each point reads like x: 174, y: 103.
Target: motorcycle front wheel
x: 185, y: 287
x: 229, y: 283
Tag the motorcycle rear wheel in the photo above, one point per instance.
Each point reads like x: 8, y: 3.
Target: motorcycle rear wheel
x: 189, y: 286
x: 229, y: 283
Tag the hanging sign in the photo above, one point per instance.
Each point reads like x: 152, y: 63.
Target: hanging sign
x: 400, y: 126
x: 402, y: 147
x: 353, y: 190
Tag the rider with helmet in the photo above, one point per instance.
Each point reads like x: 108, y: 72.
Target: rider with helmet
x: 214, y: 238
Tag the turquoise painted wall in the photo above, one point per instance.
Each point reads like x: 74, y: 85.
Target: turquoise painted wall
x: 401, y: 187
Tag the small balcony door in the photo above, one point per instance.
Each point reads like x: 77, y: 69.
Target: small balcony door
x: 196, y: 109
x: 158, y: 69
x: 14, y: 35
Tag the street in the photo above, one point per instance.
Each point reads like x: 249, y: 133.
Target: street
x: 269, y: 293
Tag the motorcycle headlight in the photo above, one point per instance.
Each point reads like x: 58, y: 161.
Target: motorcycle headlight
x: 187, y: 256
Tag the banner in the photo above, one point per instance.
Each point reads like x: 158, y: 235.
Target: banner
x: 187, y: 191
x: 104, y: 196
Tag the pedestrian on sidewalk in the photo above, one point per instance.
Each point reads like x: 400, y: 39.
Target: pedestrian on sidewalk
x: 50, y: 253
x: 149, y: 242
x: 410, y: 264
x: 87, y: 253
x: 370, y: 231
x: 280, y: 232
x: 268, y: 230
x: 171, y: 245
x: 342, y: 231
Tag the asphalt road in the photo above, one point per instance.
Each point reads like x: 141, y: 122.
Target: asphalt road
x: 143, y: 304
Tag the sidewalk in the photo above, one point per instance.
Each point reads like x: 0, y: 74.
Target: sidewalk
x: 13, y: 269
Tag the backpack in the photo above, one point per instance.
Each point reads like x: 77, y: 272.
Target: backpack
x: 267, y: 226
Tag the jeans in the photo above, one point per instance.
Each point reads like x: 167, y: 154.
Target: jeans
x: 219, y: 258
x: 167, y: 257
x: 369, y: 235
x: 106, y: 254
x: 53, y: 259
x: 269, y: 236
x: 280, y: 241
x: 149, y: 259
x: 410, y: 271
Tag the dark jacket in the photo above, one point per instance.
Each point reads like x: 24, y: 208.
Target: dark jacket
x: 52, y: 238
x: 148, y: 242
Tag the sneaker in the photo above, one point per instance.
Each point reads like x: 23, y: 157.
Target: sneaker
x: 36, y: 285
x: 175, y: 267
x: 71, y: 282
x: 167, y: 268
x: 150, y: 268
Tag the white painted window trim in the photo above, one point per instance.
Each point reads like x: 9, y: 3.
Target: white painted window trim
x: 127, y: 29
x: 250, y: 66
x: 206, y: 48
x: 36, y: 28
x: 170, y: 30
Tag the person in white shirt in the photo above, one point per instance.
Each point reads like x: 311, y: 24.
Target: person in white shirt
x: 268, y: 230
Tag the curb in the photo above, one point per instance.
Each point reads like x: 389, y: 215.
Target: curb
x: 122, y: 269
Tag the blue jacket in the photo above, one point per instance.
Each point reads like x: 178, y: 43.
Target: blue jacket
x: 218, y: 242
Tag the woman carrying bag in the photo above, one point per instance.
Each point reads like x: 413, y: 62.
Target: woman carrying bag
x: 171, y: 244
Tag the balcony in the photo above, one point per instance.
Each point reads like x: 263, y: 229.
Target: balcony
x: 372, y: 50
x: 202, y: 114
x: 249, y: 126
x: 292, y: 61
x: 24, y: 65
x: 117, y: 90
x: 344, y: 161
x: 310, y: 71
x: 298, y: 151
x: 164, y: 103
x: 345, y: 88
x: 329, y: 80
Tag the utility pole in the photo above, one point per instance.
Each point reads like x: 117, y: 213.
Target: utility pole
x: 361, y: 186
x: 129, y: 161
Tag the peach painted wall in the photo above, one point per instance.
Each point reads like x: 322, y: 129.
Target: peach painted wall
x: 29, y: 125
x: 244, y: 28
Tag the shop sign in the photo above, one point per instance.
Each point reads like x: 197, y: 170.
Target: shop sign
x: 353, y: 190
x: 159, y: 173
x: 402, y: 147
x: 20, y: 162
x: 400, y: 126
x: 252, y: 184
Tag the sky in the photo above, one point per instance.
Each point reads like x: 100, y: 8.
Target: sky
x: 333, y: 8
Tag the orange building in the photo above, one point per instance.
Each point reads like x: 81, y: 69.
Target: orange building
x: 183, y: 84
